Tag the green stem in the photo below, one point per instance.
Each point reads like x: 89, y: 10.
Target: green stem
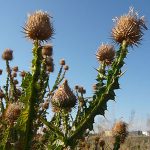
x: 2, y: 106
x: 102, y: 98
x: 12, y: 86
x: 117, y: 143
x: 33, y: 99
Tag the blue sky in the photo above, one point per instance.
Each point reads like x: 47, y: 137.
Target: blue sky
x: 80, y: 28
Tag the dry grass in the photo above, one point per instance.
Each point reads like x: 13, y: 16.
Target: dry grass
x: 131, y: 143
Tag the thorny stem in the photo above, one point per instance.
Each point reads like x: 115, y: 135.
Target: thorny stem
x: 36, y: 63
x: 2, y: 105
x: 101, y: 99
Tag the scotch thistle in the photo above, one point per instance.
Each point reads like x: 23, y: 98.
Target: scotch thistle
x: 24, y: 103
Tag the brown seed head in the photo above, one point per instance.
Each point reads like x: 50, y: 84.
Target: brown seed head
x: 7, y: 54
x: 39, y: 26
x: 12, y: 112
x: 105, y: 53
x: 76, y: 87
x: 66, y: 67
x: 129, y: 28
x: 45, y: 105
x: 64, y: 98
x: 15, y: 69
x: 120, y: 130
x: 81, y: 90
x: 47, y: 50
x: 22, y: 74
x: 62, y: 62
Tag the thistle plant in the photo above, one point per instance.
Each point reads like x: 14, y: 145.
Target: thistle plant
x: 119, y: 133
x: 24, y: 103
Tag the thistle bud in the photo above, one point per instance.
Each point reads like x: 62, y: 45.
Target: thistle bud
x: 64, y: 98
x: 15, y: 69
x: 7, y: 54
x: 66, y: 67
x: 76, y: 87
x: 129, y: 28
x: 39, y: 26
x: 22, y: 74
x: 12, y: 112
x: 81, y: 90
x: 47, y: 50
x: 62, y: 62
x: 45, y: 105
x: 105, y: 53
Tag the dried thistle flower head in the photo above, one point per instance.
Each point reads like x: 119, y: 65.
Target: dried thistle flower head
x: 12, y: 112
x: 22, y: 74
x: 129, y: 28
x: 45, y: 105
x: 15, y: 69
x: 39, y: 26
x: 105, y: 53
x: 76, y: 87
x: 47, y: 50
x: 120, y: 130
x: 7, y: 54
x: 66, y: 67
x: 63, y: 98
x: 62, y: 62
